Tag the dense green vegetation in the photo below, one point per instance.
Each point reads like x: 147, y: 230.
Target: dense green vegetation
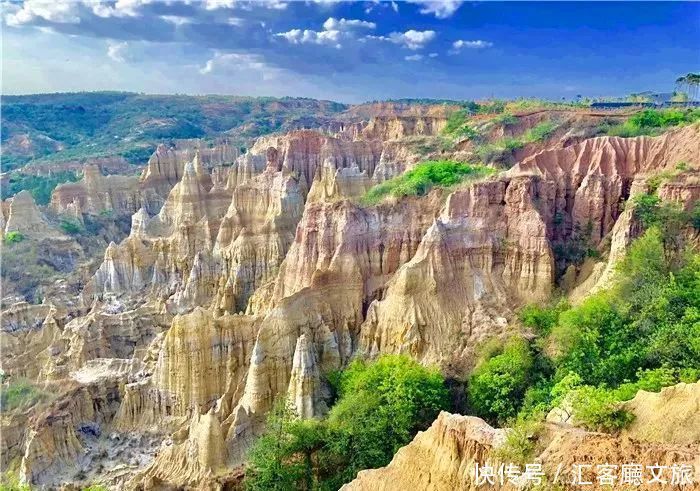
x: 653, y: 122
x: 93, y: 124
x: 10, y: 482
x: 20, y: 394
x: 641, y: 333
x: 501, y: 380
x: 71, y: 227
x: 426, y: 175
x: 488, y: 152
x: 380, y: 407
x: 13, y: 237
x: 40, y: 187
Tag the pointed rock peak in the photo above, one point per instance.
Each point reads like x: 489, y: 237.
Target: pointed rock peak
x: 198, y: 166
x: 190, y: 170
x: 258, y: 355
x: 24, y: 197
x: 304, y: 382
x: 139, y: 221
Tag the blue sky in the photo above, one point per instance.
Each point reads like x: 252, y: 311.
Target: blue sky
x: 349, y: 52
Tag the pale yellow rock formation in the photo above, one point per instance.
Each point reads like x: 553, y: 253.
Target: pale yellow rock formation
x: 202, y: 362
x: 103, y: 334
x: 304, y: 384
x: 488, y: 249
x: 26, y: 334
x: 95, y: 194
x: 441, y: 458
x: 203, y: 357
x: 25, y: 217
x: 333, y: 184
x: 193, y: 463
x: 255, y: 235
x: 444, y: 458
x: 304, y: 151
x: 53, y: 447
x: 166, y: 166
x: 669, y: 416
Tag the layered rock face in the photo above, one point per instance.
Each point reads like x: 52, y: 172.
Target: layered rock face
x: 669, y: 416
x: 102, y: 334
x: 56, y: 439
x: 246, y: 279
x: 166, y: 166
x: 95, y: 194
x: 445, y: 457
x: 589, y: 182
x: 27, y: 332
x: 25, y: 218
x: 202, y: 359
x: 487, y: 249
x: 160, y: 251
x: 440, y: 458
x: 255, y: 235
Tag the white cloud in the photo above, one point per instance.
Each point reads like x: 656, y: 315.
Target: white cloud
x: 237, y: 21
x: 116, y: 51
x: 460, y: 44
x: 176, y: 20
x: 239, y: 61
x: 441, y: 9
x: 334, y: 31
x: 433, y: 55
x: 411, y: 39
x: 333, y: 24
x: 307, y: 36
x: 59, y: 11
x: 413, y: 57
x: 122, y: 8
x: 244, y: 5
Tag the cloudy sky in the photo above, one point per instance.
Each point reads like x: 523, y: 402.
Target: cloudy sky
x: 348, y: 52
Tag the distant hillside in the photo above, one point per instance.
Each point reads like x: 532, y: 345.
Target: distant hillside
x: 58, y: 127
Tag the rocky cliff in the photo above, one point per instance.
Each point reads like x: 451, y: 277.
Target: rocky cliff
x: 446, y: 456
x: 247, y: 279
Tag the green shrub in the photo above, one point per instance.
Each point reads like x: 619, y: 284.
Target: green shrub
x: 497, y: 386
x: 20, y: 393
x: 10, y: 482
x: 652, y: 380
x: 642, y: 333
x: 70, y: 227
x: 13, y: 237
x: 380, y: 408
x: 653, y: 122
x: 505, y: 119
x: 489, y: 152
x: 597, y: 409
x: 542, y: 319
x: 511, y: 144
x: 540, y: 132
x: 521, y: 439
x: 272, y: 461
x: 458, y: 125
x: 419, y: 180
x: 40, y: 187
